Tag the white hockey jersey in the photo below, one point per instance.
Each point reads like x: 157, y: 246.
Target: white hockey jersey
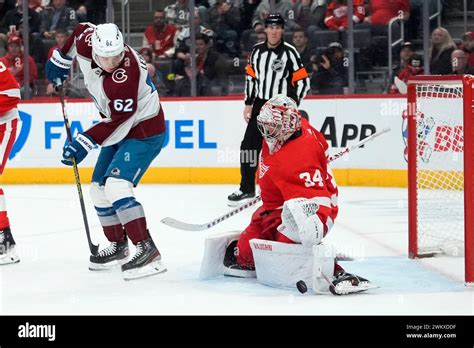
x: 127, y: 100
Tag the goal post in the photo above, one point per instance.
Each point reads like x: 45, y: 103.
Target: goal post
x: 441, y: 168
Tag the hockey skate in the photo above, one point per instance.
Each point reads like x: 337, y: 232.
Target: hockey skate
x: 346, y: 283
x: 232, y: 268
x: 8, y: 253
x: 238, y: 198
x: 114, y: 255
x: 145, y: 262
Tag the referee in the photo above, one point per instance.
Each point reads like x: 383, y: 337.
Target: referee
x: 274, y: 67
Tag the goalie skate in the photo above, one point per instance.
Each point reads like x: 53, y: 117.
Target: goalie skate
x: 115, y: 254
x: 145, y: 262
x: 347, y: 283
x: 8, y: 253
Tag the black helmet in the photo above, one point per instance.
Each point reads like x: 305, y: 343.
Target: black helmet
x: 276, y: 19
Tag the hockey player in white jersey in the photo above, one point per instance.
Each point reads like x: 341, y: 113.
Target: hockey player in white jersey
x: 131, y: 134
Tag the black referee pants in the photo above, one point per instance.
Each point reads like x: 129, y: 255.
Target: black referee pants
x: 250, y: 150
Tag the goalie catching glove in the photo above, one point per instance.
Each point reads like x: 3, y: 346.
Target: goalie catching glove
x: 300, y: 223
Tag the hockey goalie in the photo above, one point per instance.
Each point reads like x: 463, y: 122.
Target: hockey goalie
x: 284, y: 242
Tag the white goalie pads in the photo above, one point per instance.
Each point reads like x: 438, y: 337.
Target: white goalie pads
x: 283, y: 265
x: 300, y: 223
x: 213, y: 259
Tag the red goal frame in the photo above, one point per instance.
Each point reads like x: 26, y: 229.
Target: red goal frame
x: 467, y: 82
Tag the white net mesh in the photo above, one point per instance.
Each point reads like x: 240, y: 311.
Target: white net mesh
x: 439, y: 158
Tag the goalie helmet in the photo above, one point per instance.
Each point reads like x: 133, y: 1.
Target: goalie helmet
x: 107, y: 41
x: 278, y: 120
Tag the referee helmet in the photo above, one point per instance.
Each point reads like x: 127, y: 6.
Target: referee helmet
x: 274, y: 19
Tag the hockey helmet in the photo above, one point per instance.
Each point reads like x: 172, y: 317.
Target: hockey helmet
x: 278, y: 120
x: 107, y: 40
x: 274, y: 19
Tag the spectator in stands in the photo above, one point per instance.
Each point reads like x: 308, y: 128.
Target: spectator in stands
x: 247, y: 10
x: 224, y: 19
x: 468, y: 47
x: 60, y: 36
x: 11, y: 24
x: 183, y: 42
x: 14, y: 59
x: 5, y: 6
x: 57, y: 16
x: 261, y: 37
x: 442, y: 45
x: 160, y: 36
x: 414, y: 67
x: 414, y: 25
x: 459, y: 63
x: 382, y: 11
x: 330, y: 74
x: 95, y: 11
x: 300, y: 41
x: 208, y: 69
x: 178, y: 14
x: 309, y: 13
x: 156, y: 75
x: 14, y: 17
x: 282, y: 7
x: 406, y: 51
x: 336, y: 14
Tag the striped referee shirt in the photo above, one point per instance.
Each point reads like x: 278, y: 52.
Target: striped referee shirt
x: 272, y: 71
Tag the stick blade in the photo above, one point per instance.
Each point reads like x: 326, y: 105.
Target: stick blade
x: 183, y: 225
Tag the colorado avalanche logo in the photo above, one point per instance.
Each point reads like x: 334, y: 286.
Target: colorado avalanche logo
x: 277, y: 65
x: 88, y: 39
x: 119, y: 76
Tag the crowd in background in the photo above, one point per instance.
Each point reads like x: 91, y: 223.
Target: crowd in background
x: 226, y: 31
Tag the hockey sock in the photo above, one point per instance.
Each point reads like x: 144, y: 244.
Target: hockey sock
x: 111, y: 224
x: 132, y: 217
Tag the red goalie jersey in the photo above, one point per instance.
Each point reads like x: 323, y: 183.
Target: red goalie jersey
x: 299, y: 169
x: 9, y: 92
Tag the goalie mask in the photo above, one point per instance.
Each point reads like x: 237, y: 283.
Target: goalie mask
x: 278, y: 120
x: 107, y: 46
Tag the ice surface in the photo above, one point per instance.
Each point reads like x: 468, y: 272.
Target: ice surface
x: 53, y: 275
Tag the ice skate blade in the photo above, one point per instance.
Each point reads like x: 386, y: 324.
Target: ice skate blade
x: 94, y: 267
x: 346, y: 288
x: 153, y: 268
x: 10, y: 257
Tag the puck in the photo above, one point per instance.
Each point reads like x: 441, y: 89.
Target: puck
x: 301, y: 286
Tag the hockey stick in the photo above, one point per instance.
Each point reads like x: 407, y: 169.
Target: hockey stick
x: 93, y: 248
x: 201, y: 227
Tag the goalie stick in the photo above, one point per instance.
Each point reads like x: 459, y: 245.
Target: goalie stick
x: 201, y: 227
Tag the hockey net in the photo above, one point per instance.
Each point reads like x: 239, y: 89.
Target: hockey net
x: 440, y: 165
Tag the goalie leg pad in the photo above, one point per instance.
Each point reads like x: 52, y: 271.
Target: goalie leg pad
x: 214, y: 251
x: 281, y: 264
x: 323, y: 268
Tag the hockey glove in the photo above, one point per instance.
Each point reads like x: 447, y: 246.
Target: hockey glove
x: 300, y: 223
x: 57, y: 67
x: 78, y: 149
